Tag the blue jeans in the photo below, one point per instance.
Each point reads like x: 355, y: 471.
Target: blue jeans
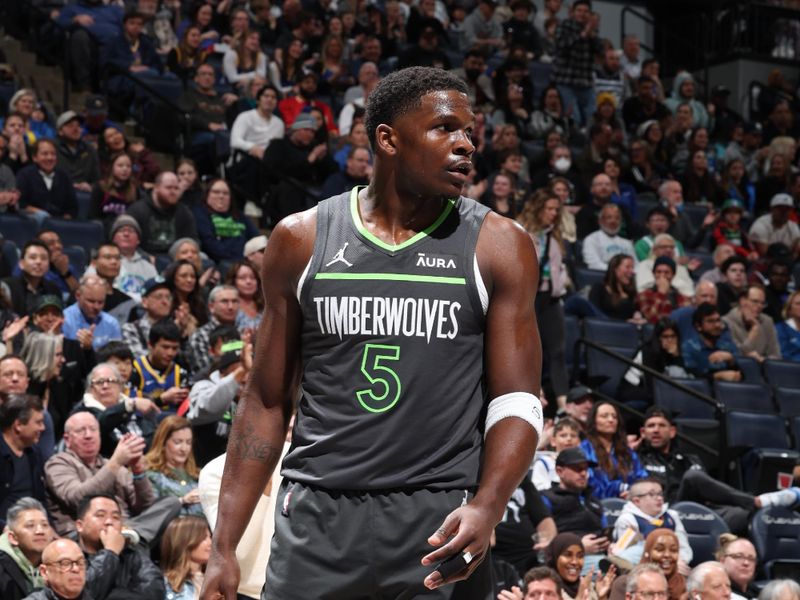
x: 580, y: 100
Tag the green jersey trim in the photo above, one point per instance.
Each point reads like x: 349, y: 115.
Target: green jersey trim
x: 392, y: 277
x: 448, y: 207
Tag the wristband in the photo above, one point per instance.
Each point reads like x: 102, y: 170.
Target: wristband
x: 524, y: 405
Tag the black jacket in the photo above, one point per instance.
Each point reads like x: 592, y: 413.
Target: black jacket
x: 35, y: 476
x: 576, y: 512
x: 13, y: 583
x: 162, y: 226
x: 59, y: 200
x: 131, y: 575
x: 669, y: 467
x: 22, y: 300
x: 80, y: 162
x: 48, y: 594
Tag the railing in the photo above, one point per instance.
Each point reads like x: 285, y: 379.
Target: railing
x: 722, y: 455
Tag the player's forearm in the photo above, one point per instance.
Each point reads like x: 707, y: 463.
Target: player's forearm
x: 254, y: 448
x: 510, y: 446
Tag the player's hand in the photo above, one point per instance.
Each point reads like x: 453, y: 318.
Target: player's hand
x: 466, y: 529
x: 222, y: 577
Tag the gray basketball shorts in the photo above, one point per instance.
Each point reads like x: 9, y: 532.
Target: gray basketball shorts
x: 361, y: 546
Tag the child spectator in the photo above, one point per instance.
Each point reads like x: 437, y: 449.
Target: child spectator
x: 728, y: 230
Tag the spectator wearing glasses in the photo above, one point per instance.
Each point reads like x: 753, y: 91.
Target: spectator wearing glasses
x: 21, y: 547
x: 647, y: 582
x: 739, y: 558
x: 157, y: 304
x: 643, y: 513
x: 63, y: 570
x: 752, y: 331
x: 116, y: 413
x: 115, y: 570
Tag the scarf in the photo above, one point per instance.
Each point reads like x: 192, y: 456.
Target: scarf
x: 556, y: 548
x: 31, y: 573
x: 675, y: 582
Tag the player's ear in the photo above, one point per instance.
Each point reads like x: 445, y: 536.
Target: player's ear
x: 385, y: 141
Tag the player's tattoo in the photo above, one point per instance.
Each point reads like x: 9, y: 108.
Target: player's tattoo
x: 248, y: 446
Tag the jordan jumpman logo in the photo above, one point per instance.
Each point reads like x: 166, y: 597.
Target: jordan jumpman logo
x: 339, y: 257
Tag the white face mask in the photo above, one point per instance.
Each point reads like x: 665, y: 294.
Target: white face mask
x: 562, y: 164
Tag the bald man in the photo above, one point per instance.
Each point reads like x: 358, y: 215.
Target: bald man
x: 86, y: 321
x: 63, y: 569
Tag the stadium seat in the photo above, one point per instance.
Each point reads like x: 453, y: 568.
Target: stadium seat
x: 705, y: 431
x: 762, y: 443
x: 703, y: 527
x: 775, y: 532
x: 795, y: 423
x: 611, y: 333
x: 77, y: 259
x: 782, y: 373
x: 751, y: 369
x: 646, y: 202
x: 605, y: 372
x: 572, y: 332
x: 17, y: 229
x: 755, y: 397
x: 87, y: 234
x: 788, y: 401
x: 696, y: 214
x: 612, y: 507
x: 587, y: 277
x: 10, y: 253
x: 682, y: 404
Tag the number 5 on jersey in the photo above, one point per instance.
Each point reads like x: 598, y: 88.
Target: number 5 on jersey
x: 385, y: 384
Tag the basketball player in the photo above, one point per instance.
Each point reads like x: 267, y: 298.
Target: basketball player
x: 406, y: 314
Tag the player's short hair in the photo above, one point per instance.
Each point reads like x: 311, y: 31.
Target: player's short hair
x: 402, y: 91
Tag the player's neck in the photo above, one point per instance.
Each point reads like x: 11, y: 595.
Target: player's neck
x: 394, y: 215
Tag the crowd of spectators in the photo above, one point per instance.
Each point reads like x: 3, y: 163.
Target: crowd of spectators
x: 120, y: 378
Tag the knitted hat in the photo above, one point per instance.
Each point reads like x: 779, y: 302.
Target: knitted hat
x: 124, y: 221
x: 664, y: 260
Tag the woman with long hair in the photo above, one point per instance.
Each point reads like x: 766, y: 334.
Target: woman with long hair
x: 221, y: 229
x: 201, y: 15
x: 335, y: 77
x: 244, y: 62
x: 189, y: 182
x: 566, y: 556
x: 606, y: 444
x: 661, y: 548
x: 540, y: 217
x: 561, y: 188
x: 788, y: 330
x: 500, y: 197
x: 185, y: 550
x: 287, y: 67
x: 699, y: 184
x: 144, y: 164
x: 511, y: 111
x: 171, y: 467
x: 736, y: 184
x: 645, y: 174
x: 246, y: 280
x: 622, y: 193
x: 187, y: 301
x: 43, y: 354
x: 112, y: 196
x: 652, y: 133
x: 184, y: 58
x: 615, y: 296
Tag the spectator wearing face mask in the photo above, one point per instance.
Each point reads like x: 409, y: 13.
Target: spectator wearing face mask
x: 560, y: 165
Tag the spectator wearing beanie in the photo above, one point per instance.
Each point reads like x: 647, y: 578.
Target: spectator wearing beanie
x: 662, y: 298
x: 136, y: 266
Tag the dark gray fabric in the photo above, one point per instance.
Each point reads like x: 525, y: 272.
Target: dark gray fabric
x: 337, y: 546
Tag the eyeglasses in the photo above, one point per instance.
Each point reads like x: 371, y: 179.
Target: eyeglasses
x: 105, y: 381
x: 82, y: 430
x: 742, y: 557
x: 66, y: 564
x: 653, y: 595
x: 651, y: 495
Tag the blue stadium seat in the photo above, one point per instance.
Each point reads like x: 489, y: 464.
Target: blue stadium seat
x: 572, y: 332
x: 86, y: 234
x: 680, y: 403
x: 162, y: 262
x: 612, y: 507
x: 755, y: 397
x: 10, y: 252
x: 77, y: 259
x: 775, y: 532
x: 696, y: 214
x: 611, y: 333
x: 604, y: 372
x: 705, y: 431
x: 763, y: 444
x: 17, y: 229
x: 646, y: 202
x: 751, y: 369
x: 782, y: 373
x: 584, y: 277
x: 703, y: 527
x: 788, y: 401
x: 795, y: 424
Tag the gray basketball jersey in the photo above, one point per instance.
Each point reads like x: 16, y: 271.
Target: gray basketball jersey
x: 392, y: 354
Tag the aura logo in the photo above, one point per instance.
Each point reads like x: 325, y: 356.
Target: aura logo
x: 435, y: 261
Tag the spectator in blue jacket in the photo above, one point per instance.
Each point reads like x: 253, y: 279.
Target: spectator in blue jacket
x: 222, y: 231
x: 94, y: 25
x: 45, y: 189
x: 133, y: 52
x: 789, y: 329
x: 709, y: 353
x: 606, y: 444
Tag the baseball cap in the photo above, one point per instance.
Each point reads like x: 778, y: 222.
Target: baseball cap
x: 664, y: 260
x: 303, y: 121
x: 231, y: 353
x: 573, y: 456
x: 255, y: 244
x: 578, y: 392
x: 96, y: 105
x: 66, y: 117
x: 43, y: 302
x: 153, y: 284
x: 732, y: 204
x: 124, y: 221
x: 781, y: 200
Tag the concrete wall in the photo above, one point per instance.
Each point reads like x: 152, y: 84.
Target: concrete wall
x: 610, y: 12
x: 737, y: 75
